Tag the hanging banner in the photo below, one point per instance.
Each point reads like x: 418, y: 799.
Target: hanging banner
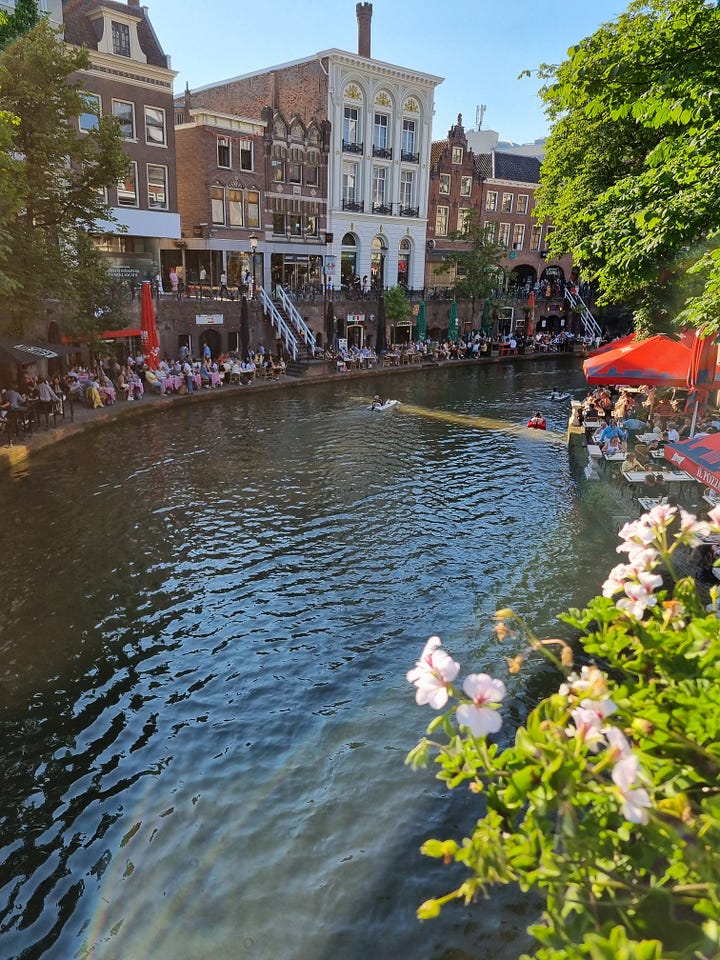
x: 209, y: 319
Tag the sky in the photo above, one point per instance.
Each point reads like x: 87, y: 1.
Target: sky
x: 479, y: 47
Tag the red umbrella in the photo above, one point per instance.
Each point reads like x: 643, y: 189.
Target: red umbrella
x: 700, y: 457
x: 657, y: 361
x: 148, y: 329
x: 702, y: 374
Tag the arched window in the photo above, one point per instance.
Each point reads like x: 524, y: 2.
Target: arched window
x: 403, y: 270
x: 378, y: 250
x: 348, y: 259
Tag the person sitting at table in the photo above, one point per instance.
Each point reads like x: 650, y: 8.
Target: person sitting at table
x: 649, y: 488
x: 612, y: 430
x: 613, y: 445
x: 154, y: 382
x: 205, y: 378
x: 134, y: 386
x: 673, y: 434
x: 631, y: 463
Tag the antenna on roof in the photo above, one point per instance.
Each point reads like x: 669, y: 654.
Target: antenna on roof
x: 479, y: 114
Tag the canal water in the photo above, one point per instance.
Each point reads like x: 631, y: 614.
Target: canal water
x: 207, y: 617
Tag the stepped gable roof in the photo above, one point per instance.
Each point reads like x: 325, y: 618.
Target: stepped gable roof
x: 78, y: 28
x: 511, y: 166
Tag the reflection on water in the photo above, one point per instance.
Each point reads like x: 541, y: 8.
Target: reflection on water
x: 208, y: 617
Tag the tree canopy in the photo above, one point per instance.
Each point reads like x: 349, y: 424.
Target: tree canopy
x: 57, y: 183
x: 631, y: 175
x: 19, y: 22
x: 476, y: 263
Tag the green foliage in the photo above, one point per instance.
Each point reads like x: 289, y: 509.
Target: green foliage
x: 58, y: 176
x: 19, y: 22
x: 397, y: 305
x: 631, y: 177
x: 607, y: 803
x: 476, y: 264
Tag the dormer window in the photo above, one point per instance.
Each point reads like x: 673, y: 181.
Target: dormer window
x: 121, y: 39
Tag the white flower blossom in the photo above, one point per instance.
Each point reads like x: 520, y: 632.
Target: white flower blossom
x: 479, y: 718
x: 636, y: 800
x: 432, y: 674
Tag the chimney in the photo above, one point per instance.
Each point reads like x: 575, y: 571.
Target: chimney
x: 364, y: 16
x: 133, y: 3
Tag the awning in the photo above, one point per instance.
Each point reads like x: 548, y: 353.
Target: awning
x: 27, y: 351
x: 105, y: 335
x: 699, y: 456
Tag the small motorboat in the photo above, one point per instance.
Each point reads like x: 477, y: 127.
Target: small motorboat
x: 537, y: 422
x: 379, y: 405
x: 559, y: 396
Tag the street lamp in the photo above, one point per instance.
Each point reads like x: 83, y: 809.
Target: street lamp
x: 253, y: 248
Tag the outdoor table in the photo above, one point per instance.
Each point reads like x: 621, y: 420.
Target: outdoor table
x: 648, y: 437
x: 173, y: 383
x: 215, y: 378
x: 669, y: 476
x: 658, y: 454
x: 619, y: 455
x: 712, y: 498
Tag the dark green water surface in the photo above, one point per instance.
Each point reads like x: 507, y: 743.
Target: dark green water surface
x: 207, y: 617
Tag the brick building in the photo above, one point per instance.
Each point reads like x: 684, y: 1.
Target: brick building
x: 501, y: 186
x: 347, y: 147
x: 130, y: 78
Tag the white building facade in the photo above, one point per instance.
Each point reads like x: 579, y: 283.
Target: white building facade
x: 378, y: 170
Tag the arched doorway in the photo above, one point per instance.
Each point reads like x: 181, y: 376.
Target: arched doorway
x: 522, y: 279
x: 212, y: 339
x: 553, y: 281
x: 348, y: 260
x: 403, y: 270
x: 378, y: 251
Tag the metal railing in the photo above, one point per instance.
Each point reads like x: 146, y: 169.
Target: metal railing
x: 408, y: 157
x: 384, y: 153
x: 349, y: 146
x: 297, y: 321
x: 353, y: 205
x: 278, y: 321
x: 591, y: 327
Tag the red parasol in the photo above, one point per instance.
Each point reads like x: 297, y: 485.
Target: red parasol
x: 148, y: 329
x: 702, y: 375
x: 659, y: 361
x: 700, y: 457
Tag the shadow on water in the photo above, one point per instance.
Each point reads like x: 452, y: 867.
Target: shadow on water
x: 203, y: 708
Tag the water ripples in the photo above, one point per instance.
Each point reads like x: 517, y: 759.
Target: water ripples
x: 203, y: 694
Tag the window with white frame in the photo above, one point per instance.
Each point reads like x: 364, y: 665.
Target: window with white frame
x: 351, y: 125
x: 120, y: 38
x: 507, y: 203
x: 350, y: 179
x: 535, y: 237
x: 465, y: 186
x: 157, y: 187
x: 124, y: 113
x: 445, y: 183
x: 253, y: 208
x: 224, y: 153
x: 522, y: 203
x: 89, y: 118
x: 407, y: 188
x: 155, y: 126
x: 380, y: 131
x: 409, y: 138
x: 217, y: 204
x: 441, y: 221
x: 491, y: 228
x: 518, y: 236
x: 464, y: 216
x: 235, y: 207
x: 457, y: 154
x: 504, y: 234
x: 246, y: 154
x: 379, y: 183
x: 491, y: 200
x: 127, y: 192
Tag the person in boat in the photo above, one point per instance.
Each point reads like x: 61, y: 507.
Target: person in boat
x: 378, y: 401
x: 537, y: 421
x: 555, y: 395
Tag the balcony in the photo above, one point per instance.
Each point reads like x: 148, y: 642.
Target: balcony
x: 349, y: 146
x: 409, y: 211
x: 382, y: 208
x: 353, y: 206
x: 385, y: 153
x: 408, y: 157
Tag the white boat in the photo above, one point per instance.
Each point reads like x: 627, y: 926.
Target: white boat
x: 385, y: 405
x: 559, y: 396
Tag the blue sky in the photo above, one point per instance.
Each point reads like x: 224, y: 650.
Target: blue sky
x: 478, y: 46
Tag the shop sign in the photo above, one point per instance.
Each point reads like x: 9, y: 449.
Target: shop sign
x: 209, y: 319
x: 124, y: 273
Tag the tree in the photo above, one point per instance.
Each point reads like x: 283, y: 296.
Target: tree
x: 476, y: 264
x: 397, y: 305
x: 60, y: 177
x: 631, y: 178
x: 16, y: 24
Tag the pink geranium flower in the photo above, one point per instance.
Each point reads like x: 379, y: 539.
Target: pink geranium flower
x: 479, y: 718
